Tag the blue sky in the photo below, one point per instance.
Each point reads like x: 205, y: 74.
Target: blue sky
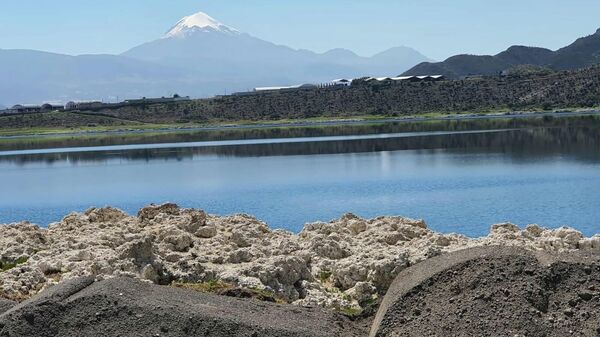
x: 437, y: 28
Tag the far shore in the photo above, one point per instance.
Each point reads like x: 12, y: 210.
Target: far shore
x: 314, y: 122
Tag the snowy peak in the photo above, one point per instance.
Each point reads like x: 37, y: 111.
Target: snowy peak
x: 199, y: 22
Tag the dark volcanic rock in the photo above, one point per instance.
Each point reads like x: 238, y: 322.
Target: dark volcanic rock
x: 494, y: 291
x: 126, y: 307
x: 5, y: 305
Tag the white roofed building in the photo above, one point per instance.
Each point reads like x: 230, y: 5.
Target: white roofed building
x: 342, y: 81
x: 291, y: 87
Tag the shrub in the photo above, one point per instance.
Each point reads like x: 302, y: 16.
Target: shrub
x: 8, y: 265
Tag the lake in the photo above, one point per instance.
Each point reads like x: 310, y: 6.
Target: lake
x: 460, y: 176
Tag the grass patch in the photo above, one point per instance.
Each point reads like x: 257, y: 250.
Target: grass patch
x: 366, y: 309
x: 211, y: 287
x: 222, y: 288
x: 263, y: 294
x: 5, y: 266
x: 62, y: 123
x: 324, y: 276
x: 8, y: 265
x: 352, y: 312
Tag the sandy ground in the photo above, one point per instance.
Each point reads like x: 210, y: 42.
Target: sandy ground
x: 495, y: 291
x: 128, y: 307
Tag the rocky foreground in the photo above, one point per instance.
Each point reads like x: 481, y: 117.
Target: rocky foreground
x: 346, y: 264
x: 128, y: 307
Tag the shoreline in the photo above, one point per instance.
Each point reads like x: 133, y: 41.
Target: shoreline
x: 359, y: 120
x: 344, y: 264
x: 208, y: 143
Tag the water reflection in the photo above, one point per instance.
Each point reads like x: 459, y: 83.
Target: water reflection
x: 63, y: 141
x: 581, y: 142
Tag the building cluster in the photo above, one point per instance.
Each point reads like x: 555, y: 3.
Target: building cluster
x: 342, y: 82
x: 292, y: 87
x: 89, y: 105
x: 426, y: 78
x: 30, y: 108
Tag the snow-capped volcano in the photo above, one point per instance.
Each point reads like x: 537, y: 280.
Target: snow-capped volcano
x: 222, y: 59
x: 199, y: 22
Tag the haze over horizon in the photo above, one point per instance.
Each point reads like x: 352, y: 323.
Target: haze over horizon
x: 436, y: 28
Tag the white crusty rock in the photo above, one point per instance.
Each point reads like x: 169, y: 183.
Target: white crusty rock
x: 21, y: 240
x: 340, y: 264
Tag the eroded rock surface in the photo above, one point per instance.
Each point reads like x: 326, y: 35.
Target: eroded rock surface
x: 345, y: 263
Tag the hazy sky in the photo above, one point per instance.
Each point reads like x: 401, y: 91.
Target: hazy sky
x: 437, y: 28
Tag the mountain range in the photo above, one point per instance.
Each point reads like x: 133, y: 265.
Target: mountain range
x: 199, y: 56
x: 201, y: 43
x: 581, y: 53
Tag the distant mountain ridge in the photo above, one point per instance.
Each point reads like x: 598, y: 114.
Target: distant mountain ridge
x: 198, y: 56
x: 37, y: 76
x: 583, y: 52
x: 202, y: 43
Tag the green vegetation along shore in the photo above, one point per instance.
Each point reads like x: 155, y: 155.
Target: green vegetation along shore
x: 568, y: 90
x: 54, y: 130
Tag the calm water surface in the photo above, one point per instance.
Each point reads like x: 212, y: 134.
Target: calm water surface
x: 459, y: 178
